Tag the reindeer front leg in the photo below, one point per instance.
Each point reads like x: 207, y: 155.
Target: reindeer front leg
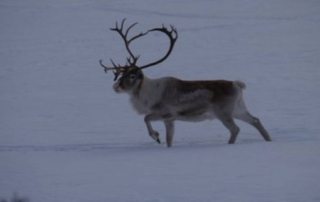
x: 168, y: 122
x: 153, y: 134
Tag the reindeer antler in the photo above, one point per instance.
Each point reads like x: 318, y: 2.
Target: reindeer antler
x: 132, y: 59
x: 173, y: 36
x: 117, y: 69
x: 124, y: 35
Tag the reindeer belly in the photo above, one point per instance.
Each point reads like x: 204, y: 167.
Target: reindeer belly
x: 194, y: 106
x: 195, y: 114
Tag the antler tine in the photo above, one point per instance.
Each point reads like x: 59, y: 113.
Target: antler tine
x: 174, y: 30
x: 117, y: 26
x: 122, y: 23
x: 132, y: 61
x: 117, y: 69
x: 114, y: 64
x: 130, y: 27
x: 106, y: 68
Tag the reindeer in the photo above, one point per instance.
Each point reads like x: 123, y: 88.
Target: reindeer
x: 169, y: 99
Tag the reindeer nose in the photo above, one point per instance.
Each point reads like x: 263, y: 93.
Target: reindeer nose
x: 116, y: 87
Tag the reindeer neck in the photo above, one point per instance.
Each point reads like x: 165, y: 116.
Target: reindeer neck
x: 136, y: 91
x: 145, y: 87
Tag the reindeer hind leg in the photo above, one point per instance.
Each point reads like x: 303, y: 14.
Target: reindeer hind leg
x: 229, y: 123
x: 241, y: 112
x: 255, y: 122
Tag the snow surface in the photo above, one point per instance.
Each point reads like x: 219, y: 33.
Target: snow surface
x: 66, y: 136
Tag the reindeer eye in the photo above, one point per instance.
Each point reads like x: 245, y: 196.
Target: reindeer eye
x: 132, y: 76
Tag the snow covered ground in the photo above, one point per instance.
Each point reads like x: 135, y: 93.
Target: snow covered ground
x: 66, y: 136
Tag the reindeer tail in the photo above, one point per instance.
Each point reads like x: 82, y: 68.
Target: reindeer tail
x: 240, y: 84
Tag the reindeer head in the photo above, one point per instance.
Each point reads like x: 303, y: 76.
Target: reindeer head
x: 130, y: 75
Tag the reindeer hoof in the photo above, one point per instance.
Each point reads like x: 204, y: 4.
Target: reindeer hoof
x: 155, y: 135
x: 158, y: 140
